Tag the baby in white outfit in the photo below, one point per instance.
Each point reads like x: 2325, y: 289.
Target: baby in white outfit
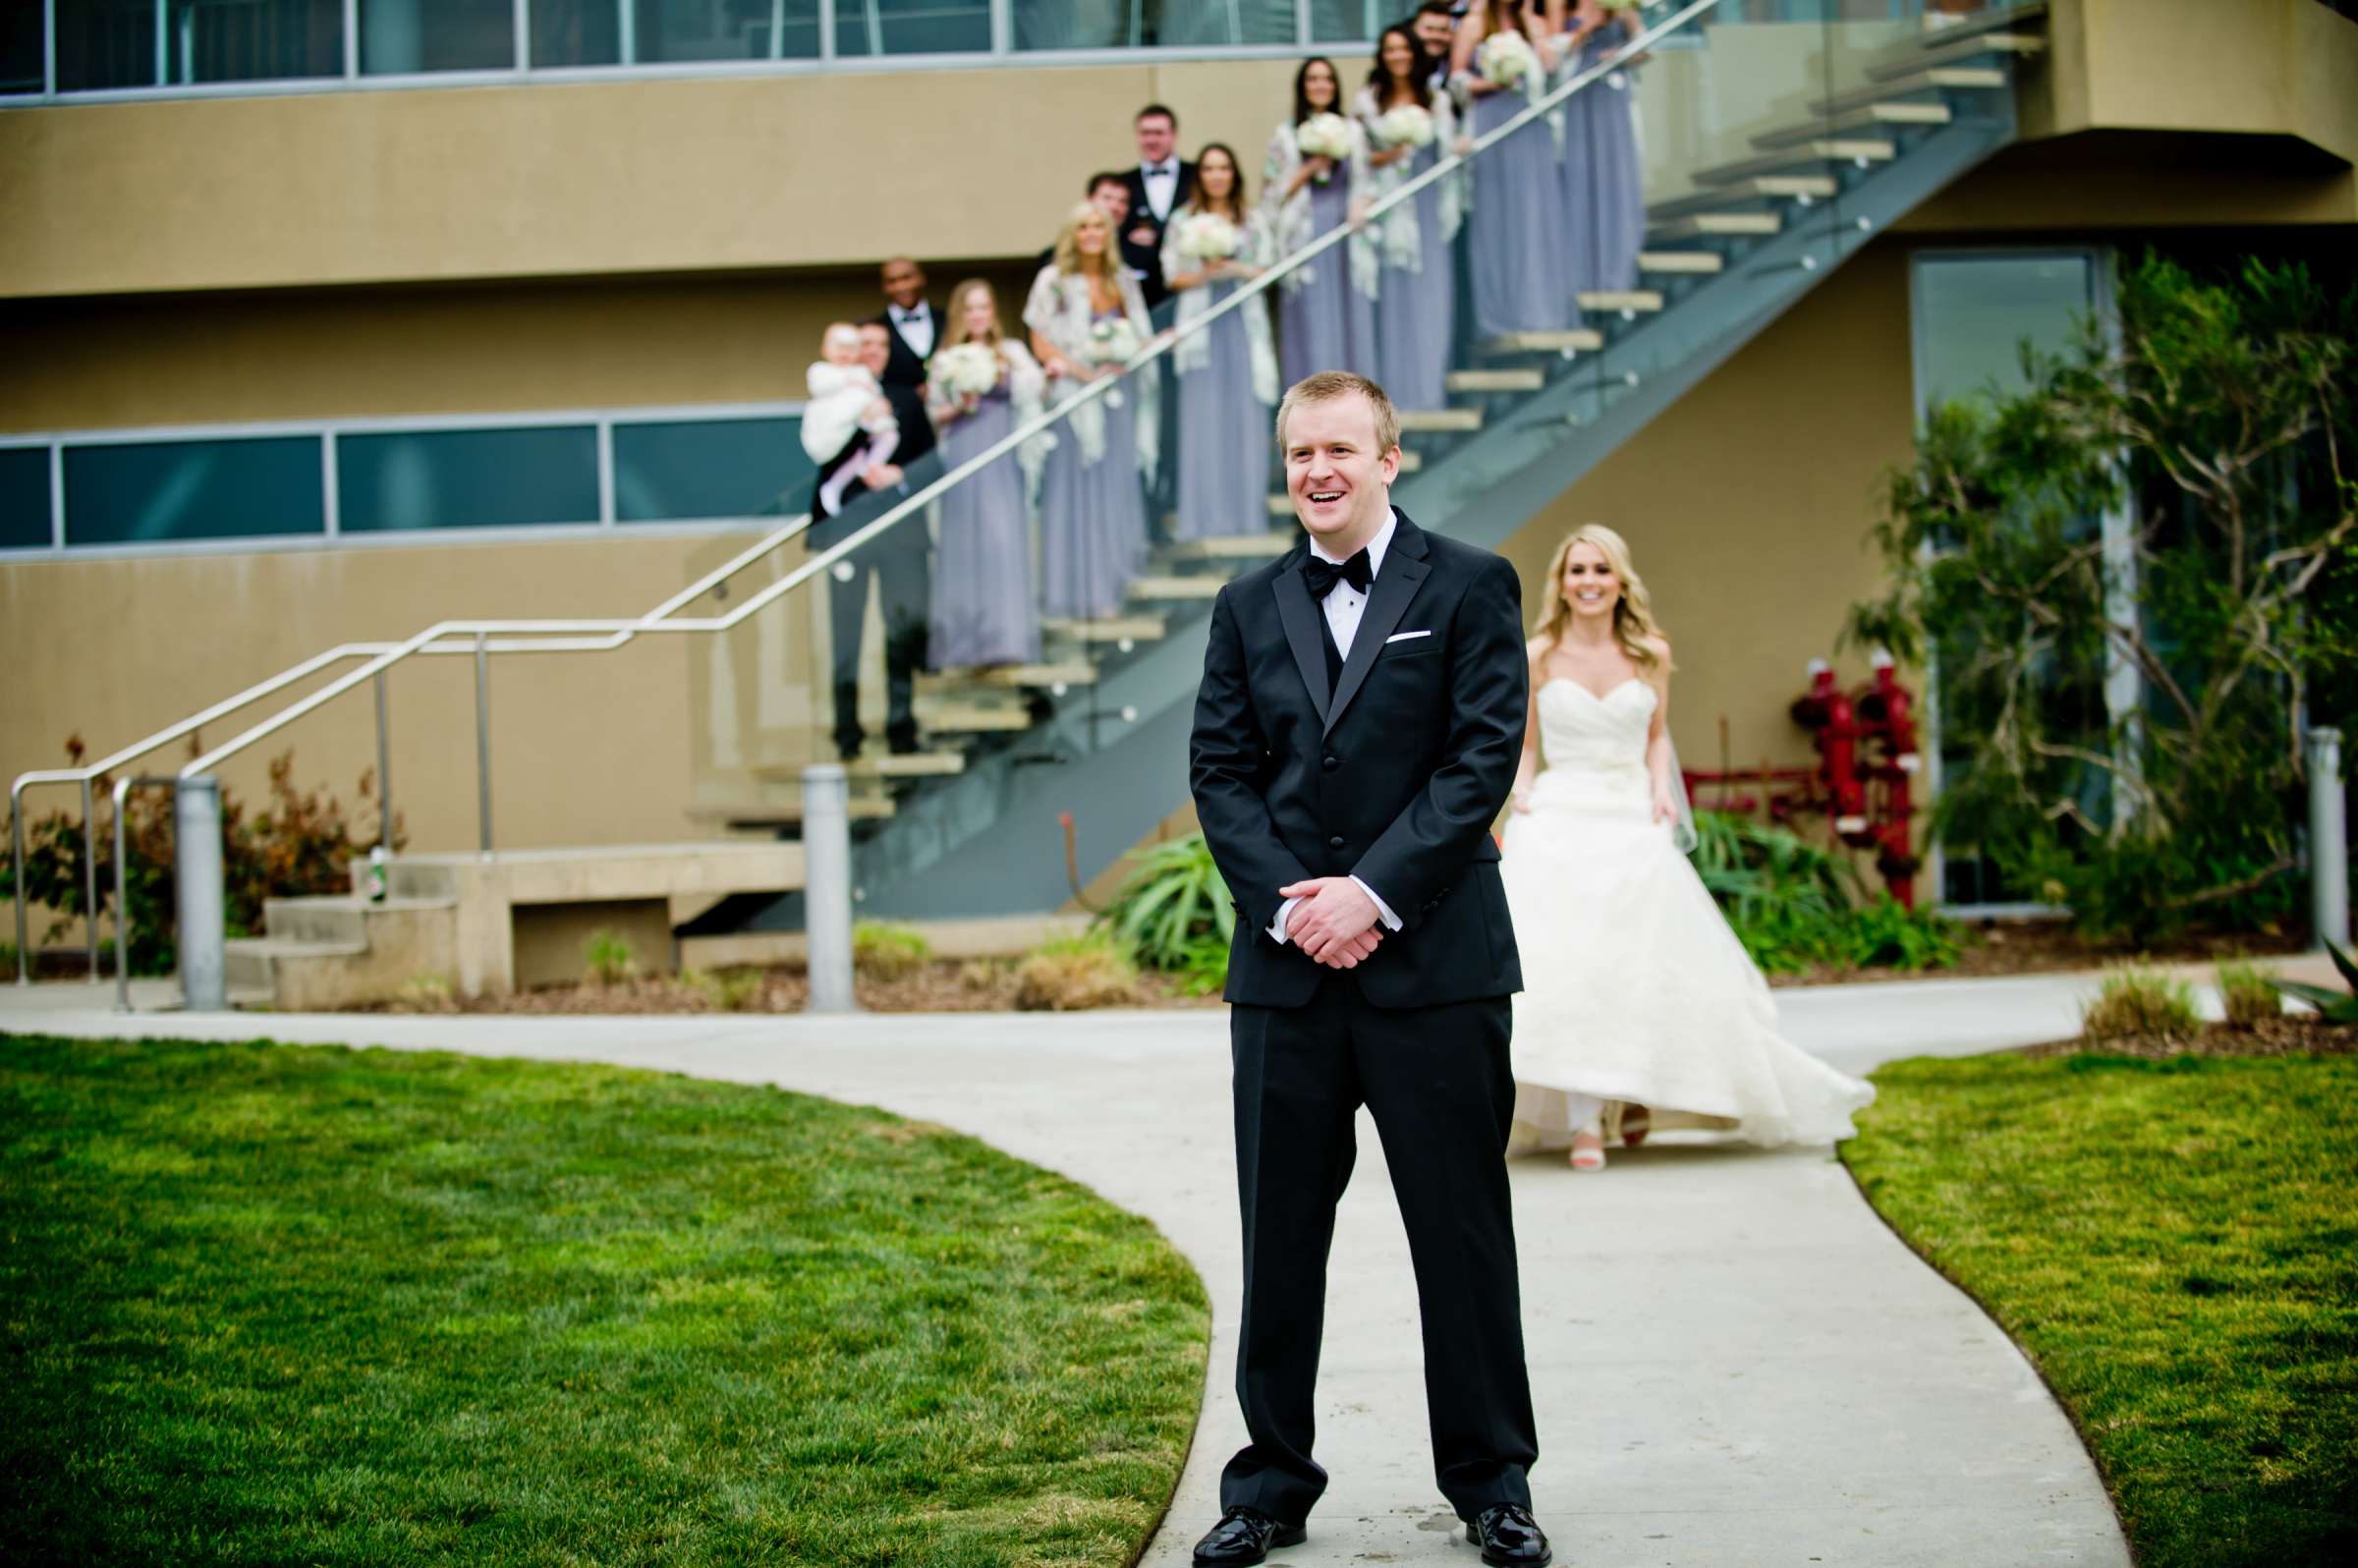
x: 844, y: 397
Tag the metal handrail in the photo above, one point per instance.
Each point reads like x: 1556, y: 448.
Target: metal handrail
x: 571, y: 636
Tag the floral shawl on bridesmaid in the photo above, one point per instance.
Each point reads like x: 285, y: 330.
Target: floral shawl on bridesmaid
x: 1058, y: 311
x: 1027, y: 394
x: 1403, y: 236
x: 1193, y: 353
x: 1291, y: 218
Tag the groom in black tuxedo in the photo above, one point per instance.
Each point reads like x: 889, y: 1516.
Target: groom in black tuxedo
x: 1162, y: 183
x: 1355, y: 737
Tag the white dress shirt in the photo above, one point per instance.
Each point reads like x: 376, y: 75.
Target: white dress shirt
x: 1161, y: 181
x: 1344, y: 606
x: 916, y: 328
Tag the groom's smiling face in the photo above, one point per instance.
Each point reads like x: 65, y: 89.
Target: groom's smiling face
x: 1341, y: 485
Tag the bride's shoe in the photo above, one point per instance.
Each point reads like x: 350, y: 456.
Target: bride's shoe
x: 1587, y: 1152
x: 1636, y: 1122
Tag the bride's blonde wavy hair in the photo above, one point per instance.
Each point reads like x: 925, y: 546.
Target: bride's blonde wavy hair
x: 1633, y: 613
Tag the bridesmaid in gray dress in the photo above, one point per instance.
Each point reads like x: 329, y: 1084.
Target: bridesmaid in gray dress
x: 983, y: 610
x: 1517, y: 229
x: 1604, y: 194
x: 1226, y: 373
x: 1416, y: 299
x: 1093, y: 524
x: 1326, y: 320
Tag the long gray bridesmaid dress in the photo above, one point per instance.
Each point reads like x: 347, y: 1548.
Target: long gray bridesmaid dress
x: 1416, y: 311
x: 983, y: 610
x: 1604, y: 192
x: 1093, y: 515
x: 1225, y: 433
x: 1329, y: 325
x: 1516, y: 232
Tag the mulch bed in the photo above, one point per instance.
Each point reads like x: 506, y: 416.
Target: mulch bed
x: 2048, y: 947
x: 946, y: 985
x: 2294, y: 1034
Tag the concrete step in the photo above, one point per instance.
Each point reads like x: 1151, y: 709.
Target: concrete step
x: 1936, y: 50
x: 1569, y: 340
x: 341, y: 918
x: 1497, y: 380
x: 1813, y: 155
x: 1712, y: 226
x: 1625, y: 301
x: 1244, y: 546
x: 1932, y: 78
x: 1867, y: 120
x: 1682, y: 261
x: 1111, y: 628
x: 1168, y: 587
x: 252, y: 963
x: 1435, y: 421
x: 1801, y: 187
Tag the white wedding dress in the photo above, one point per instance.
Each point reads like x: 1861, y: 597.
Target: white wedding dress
x: 1634, y: 988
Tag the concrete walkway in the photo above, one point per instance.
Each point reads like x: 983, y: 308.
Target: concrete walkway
x: 1734, y: 1362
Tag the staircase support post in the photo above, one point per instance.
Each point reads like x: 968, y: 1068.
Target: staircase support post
x: 196, y: 857
x: 827, y: 886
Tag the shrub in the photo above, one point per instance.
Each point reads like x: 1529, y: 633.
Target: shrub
x: 2334, y: 1007
x: 1174, y: 914
x: 428, y: 993
x: 2248, y: 994
x: 883, y: 951
x: 982, y: 974
x: 728, y: 990
x: 2139, y: 1002
x: 301, y: 842
x: 1887, y: 936
x: 1074, y: 972
x: 609, y: 957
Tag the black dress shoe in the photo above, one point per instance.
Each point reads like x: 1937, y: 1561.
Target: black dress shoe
x: 1245, y: 1536
x: 1509, y: 1538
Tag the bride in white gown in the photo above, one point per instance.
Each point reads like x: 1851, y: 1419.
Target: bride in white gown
x: 1640, y: 1009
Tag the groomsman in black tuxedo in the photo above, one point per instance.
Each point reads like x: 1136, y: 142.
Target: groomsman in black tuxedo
x: 1108, y: 190
x: 1356, y: 734
x: 1435, y: 25
x: 912, y: 327
x: 1159, y: 187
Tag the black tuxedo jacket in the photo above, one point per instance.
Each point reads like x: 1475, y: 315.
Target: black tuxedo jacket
x: 1394, y: 777
x: 1147, y: 258
x: 904, y: 386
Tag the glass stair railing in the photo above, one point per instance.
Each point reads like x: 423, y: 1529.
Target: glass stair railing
x: 1778, y: 137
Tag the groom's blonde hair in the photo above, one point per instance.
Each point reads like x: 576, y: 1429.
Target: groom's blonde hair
x: 1328, y: 385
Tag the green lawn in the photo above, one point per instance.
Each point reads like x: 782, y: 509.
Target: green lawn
x: 2175, y: 1243
x: 277, y: 1304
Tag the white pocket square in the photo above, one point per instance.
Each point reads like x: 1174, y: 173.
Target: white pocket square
x: 1402, y: 637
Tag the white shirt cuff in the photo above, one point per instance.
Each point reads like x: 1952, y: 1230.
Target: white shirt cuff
x: 1285, y: 912
x: 1391, y: 921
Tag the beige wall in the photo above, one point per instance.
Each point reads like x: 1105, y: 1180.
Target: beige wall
x: 549, y: 180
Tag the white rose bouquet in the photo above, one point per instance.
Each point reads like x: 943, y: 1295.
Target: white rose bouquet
x: 1112, y: 341
x: 1208, y: 236
x: 1506, y: 58
x: 1405, y: 127
x: 966, y: 369
x: 1324, y: 135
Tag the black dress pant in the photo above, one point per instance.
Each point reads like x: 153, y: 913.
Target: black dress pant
x: 1442, y: 1090
x: 898, y: 560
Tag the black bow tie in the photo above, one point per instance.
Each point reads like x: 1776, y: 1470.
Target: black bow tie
x: 1320, y: 576
x: 1163, y: 168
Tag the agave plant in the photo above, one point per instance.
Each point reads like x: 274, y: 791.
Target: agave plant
x: 1174, y: 909
x: 2333, y: 1007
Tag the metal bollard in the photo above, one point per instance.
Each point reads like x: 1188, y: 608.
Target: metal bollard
x: 198, y: 878
x: 827, y: 886
x: 2328, y: 841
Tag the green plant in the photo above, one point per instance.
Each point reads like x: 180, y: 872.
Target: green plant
x: 883, y: 951
x: 2334, y: 1007
x: 608, y: 956
x: 2214, y: 418
x: 1074, y: 972
x: 428, y: 993
x: 2248, y: 995
x: 1884, y: 935
x: 1174, y: 914
x: 2139, y: 1002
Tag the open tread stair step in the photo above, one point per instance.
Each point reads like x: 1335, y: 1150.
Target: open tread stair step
x: 1688, y: 263
x: 2019, y: 45
x: 1497, y: 380
x: 1714, y: 226
x: 1932, y: 78
x: 1803, y: 188
x: 1867, y: 120
x: 1173, y: 586
x: 1113, y: 628
x: 1802, y: 155
x: 1631, y: 300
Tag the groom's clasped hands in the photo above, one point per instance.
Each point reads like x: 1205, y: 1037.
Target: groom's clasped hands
x: 1335, y: 924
